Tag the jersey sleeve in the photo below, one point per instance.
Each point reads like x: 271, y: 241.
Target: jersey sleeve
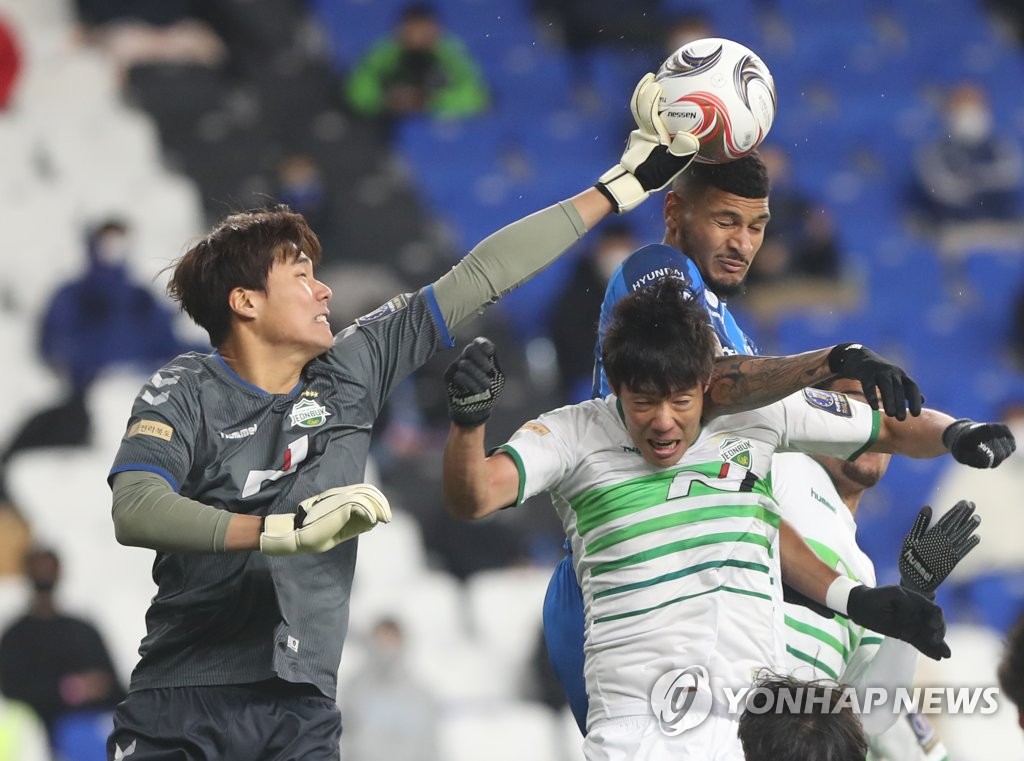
x: 544, y: 451
x: 642, y: 268
x: 828, y: 423
x: 163, y: 426
x: 382, y: 348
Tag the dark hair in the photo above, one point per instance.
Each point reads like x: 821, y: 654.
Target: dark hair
x: 237, y: 254
x: 659, y: 341
x: 746, y: 177
x: 418, y: 11
x: 1011, y: 665
x: 829, y: 733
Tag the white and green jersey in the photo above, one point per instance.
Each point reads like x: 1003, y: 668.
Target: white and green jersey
x: 678, y: 566
x: 817, y: 647
x: 838, y: 649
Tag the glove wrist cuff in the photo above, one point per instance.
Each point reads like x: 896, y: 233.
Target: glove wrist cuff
x: 953, y: 430
x: 838, y: 595
x: 836, y: 356
x: 914, y: 588
x: 620, y: 187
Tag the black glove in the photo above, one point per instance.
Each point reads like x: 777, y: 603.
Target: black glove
x: 980, y: 445
x: 474, y: 384
x: 898, y: 390
x: 901, y: 613
x: 793, y: 597
x: 930, y: 553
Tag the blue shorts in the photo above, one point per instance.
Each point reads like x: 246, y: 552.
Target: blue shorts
x: 563, y: 635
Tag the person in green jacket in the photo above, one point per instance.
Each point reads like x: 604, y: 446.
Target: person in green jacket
x: 418, y: 69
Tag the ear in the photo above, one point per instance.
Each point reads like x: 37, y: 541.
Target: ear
x: 244, y: 302
x: 669, y: 210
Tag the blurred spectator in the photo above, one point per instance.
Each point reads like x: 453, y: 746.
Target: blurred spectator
x: 136, y: 32
x: 972, y: 174
x: 1016, y: 331
x: 574, y: 314
x: 388, y: 713
x: 96, y: 321
x: 420, y: 68
x: 801, y: 240
x: 990, y: 580
x: 55, y: 663
x: 301, y: 185
x: 10, y: 63
x: 1011, y: 668
x: 15, y: 540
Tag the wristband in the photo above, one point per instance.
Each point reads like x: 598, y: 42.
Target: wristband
x: 838, y: 595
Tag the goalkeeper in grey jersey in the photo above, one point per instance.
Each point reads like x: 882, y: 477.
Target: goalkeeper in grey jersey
x: 242, y: 468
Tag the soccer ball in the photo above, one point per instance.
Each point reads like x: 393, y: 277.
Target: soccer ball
x: 721, y: 92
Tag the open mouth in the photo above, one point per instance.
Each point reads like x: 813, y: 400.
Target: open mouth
x: 320, y: 318
x: 663, y: 447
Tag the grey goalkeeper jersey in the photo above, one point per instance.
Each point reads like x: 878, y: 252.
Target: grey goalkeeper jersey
x: 232, y: 618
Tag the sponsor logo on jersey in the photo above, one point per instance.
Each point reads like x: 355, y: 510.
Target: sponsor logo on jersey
x: 308, y: 414
x: 293, y: 644
x: 151, y: 428
x: 396, y: 304
x: 735, y: 450
x: 538, y: 428
x: 822, y: 500
x: 830, y: 401
x: 631, y: 450
x: 241, y: 433
x: 653, y: 276
x: 158, y: 381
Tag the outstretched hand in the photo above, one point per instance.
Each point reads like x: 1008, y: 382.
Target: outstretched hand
x: 474, y: 383
x: 879, y: 378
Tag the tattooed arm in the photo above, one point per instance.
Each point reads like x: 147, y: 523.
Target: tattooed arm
x: 740, y: 382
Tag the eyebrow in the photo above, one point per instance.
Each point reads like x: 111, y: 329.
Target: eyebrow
x: 737, y: 215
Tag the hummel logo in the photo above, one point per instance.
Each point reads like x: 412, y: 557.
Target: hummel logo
x: 119, y: 754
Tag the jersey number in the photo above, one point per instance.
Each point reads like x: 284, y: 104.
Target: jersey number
x: 293, y: 455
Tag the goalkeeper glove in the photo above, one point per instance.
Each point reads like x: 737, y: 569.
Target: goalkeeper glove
x: 651, y: 160
x: 325, y: 520
x: 892, y: 611
x: 898, y: 390
x: 980, y: 445
x: 474, y: 383
x: 929, y: 553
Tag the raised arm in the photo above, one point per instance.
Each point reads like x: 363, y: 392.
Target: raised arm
x: 894, y: 611
x: 515, y: 253
x: 474, y: 484
x: 741, y: 382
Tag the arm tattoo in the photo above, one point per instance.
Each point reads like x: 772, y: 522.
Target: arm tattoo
x: 741, y: 382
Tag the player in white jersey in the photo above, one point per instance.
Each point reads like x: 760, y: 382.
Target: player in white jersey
x: 678, y: 545
x: 820, y: 496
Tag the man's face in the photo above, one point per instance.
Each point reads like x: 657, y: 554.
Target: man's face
x: 719, y: 231
x: 663, y: 427
x: 868, y: 469
x: 292, y: 313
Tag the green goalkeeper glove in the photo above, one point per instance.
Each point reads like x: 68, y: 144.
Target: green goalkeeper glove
x: 325, y: 520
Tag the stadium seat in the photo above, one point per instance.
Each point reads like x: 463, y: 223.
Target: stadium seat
x: 505, y: 609
x: 501, y: 732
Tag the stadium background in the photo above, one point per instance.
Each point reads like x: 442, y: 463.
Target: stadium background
x: 857, y: 85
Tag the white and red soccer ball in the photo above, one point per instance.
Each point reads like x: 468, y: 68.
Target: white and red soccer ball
x: 720, y: 91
